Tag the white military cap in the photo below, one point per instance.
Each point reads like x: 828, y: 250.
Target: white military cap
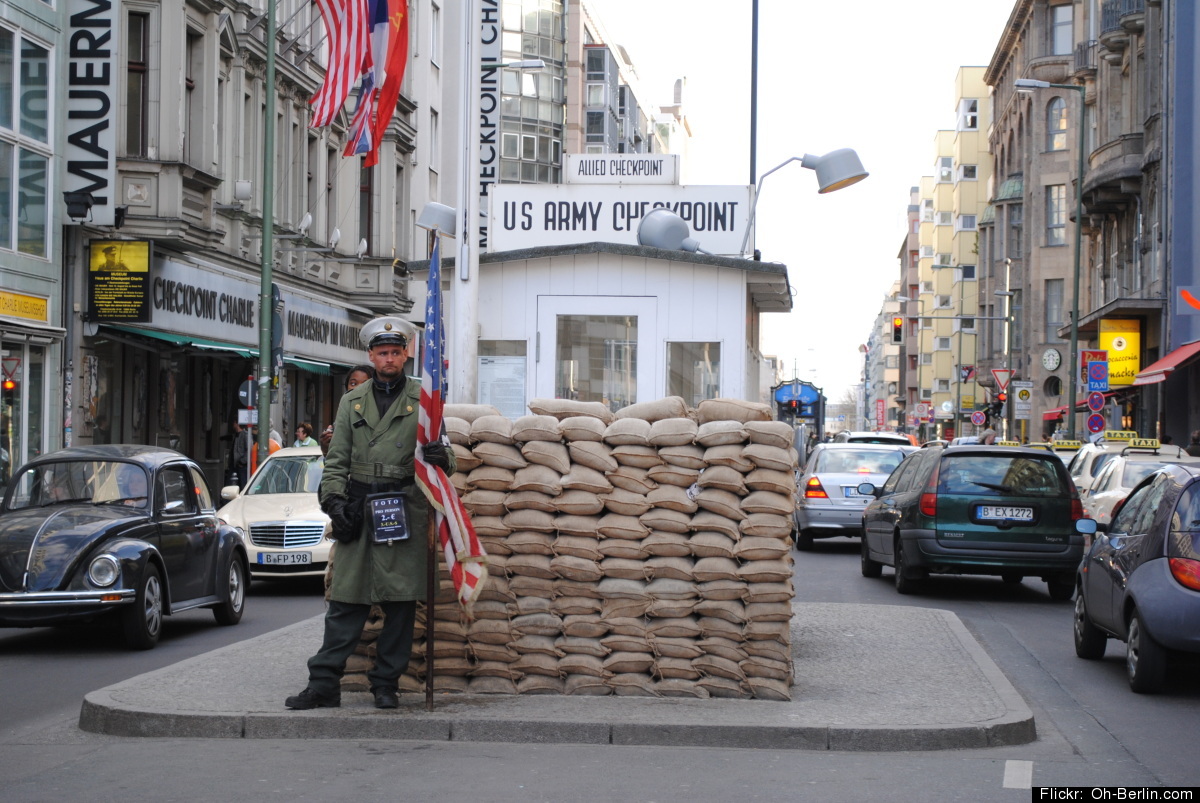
x: 388, y: 329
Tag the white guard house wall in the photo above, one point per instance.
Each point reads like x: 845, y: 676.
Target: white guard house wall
x: 665, y: 300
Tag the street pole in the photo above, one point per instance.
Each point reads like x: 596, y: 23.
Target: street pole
x: 265, y: 301
x: 1075, y: 276
x: 959, y: 383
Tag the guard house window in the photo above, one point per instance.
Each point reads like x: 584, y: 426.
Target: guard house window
x: 1054, y: 307
x: 24, y: 153
x: 1061, y: 34
x: 694, y: 371
x: 137, y: 77
x: 597, y: 359
x: 1056, y: 125
x: 1056, y: 214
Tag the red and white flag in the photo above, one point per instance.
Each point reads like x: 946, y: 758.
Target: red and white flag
x: 349, y: 38
x: 461, y: 548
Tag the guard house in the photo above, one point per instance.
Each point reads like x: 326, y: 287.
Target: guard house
x: 619, y: 324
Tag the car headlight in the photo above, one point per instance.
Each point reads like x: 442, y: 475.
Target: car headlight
x: 104, y: 571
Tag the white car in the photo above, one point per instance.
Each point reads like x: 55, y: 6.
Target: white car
x: 281, y: 522
x: 1122, y: 472
x: 1091, y: 457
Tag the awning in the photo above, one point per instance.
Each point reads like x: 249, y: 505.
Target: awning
x: 1080, y: 407
x: 1157, y: 371
x: 312, y: 366
x: 184, y: 341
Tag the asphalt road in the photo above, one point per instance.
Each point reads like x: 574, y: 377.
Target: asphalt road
x: 1091, y: 729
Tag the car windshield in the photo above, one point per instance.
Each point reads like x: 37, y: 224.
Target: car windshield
x: 860, y: 461
x: 1008, y: 475
x: 289, y: 475
x: 1136, y: 471
x: 96, y: 482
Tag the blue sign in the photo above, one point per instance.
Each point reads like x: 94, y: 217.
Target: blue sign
x: 801, y: 391
x: 1096, y: 423
x: 1097, y: 376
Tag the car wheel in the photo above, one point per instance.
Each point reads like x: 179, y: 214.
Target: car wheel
x: 1012, y: 578
x: 1060, y: 588
x: 142, y: 621
x: 1145, y: 659
x: 905, y: 584
x: 804, y: 540
x: 870, y: 568
x: 229, y: 612
x: 1090, y: 641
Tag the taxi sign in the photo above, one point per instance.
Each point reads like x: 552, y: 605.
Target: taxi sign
x: 1068, y: 446
x: 1144, y: 443
x: 1049, y: 447
x: 1119, y: 434
x: 1008, y: 443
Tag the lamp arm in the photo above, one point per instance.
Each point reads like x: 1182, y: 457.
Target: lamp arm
x: 757, y: 190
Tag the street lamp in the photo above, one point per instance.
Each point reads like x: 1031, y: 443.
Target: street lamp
x: 835, y: 170
x: 1030, y: 84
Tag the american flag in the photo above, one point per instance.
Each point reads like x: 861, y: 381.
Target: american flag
x: 349, y: 45
x: 464, y: 555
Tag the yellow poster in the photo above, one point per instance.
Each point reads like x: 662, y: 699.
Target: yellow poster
x: 1122, y: 339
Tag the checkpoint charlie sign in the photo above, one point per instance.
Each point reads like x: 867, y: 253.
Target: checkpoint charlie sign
x: 621, y: 168
x: 531, y: 215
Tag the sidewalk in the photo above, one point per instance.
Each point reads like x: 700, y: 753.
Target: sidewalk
x: 867, y: 677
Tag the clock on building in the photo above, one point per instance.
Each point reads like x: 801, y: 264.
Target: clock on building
x: 1051, y: 359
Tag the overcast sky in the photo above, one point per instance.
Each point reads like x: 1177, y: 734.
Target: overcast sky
x: 874, y: 75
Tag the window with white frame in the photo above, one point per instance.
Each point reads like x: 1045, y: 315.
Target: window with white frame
x: 945, y: 218
x: 965, y: 223
x: 942, y: 385
x: 926, y: 394
x: 966, y: 272
x: 1055, y: 317
x: 435, y: 33
x: 927, y: 210
x: 968, y: 172
x: 927, y: 286
x: 1056, y: 214
x: 943, y: 302
x: 595, y: 95
x: 965, y: 325
x: 926, y: 252
x: 945, y: 169
x: 944, y: 260
x: 941, y: 344
x: 137, y: 82
x: 926, y: 358
x: 892, y: 361
x: 26, y: 98
x: 968, y: 114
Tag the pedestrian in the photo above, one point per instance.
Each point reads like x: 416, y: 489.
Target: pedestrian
x: 238, y: 460
x: 273, y: 446
x: 1193, y: 448
x: 304, y: 436
x: 370, y: 462
x: 988, y: 436
x: 358, y: 374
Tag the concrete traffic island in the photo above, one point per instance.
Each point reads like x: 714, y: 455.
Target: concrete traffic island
x: 867, y: 677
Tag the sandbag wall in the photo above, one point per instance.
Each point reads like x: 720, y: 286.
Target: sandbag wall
x: 643, y: 554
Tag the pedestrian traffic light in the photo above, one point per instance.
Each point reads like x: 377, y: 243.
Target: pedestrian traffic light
x: 897, y: 329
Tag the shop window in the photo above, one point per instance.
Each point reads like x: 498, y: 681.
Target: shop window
x: 694, y: 371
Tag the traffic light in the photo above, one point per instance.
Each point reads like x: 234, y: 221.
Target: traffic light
x: 897, y: 329
x: 1002, y: 397
x: 9, y: 385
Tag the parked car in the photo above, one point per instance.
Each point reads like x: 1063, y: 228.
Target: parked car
x: 829, y: 503
x: 848, y: 436
x: 278, y: 515
x: 1122, y: 472
x: 1140, y: 581
x: 1087, y: 461
x: 126, y: 531
x: 991, y: 510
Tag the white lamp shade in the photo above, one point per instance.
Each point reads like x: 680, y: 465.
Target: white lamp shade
x: 836, y: 169
x: 664, y: 229
x: 439, y: 217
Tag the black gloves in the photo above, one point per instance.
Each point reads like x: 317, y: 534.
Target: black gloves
x: 437, y: 455
x: 345, y: 517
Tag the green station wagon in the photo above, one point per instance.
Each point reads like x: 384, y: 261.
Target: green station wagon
x: 991, y: 510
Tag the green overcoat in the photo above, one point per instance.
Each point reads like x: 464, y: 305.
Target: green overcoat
x: 379, y: 450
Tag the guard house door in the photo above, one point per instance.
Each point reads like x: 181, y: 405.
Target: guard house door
x: 597, y: 348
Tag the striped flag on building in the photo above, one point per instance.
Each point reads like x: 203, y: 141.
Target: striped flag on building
x: 349, y: 44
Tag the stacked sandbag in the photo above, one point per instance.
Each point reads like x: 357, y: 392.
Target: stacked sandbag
x: 645, y: 552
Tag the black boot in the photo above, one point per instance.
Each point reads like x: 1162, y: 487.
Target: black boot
x: 311, y: 698
x: 385, y: 697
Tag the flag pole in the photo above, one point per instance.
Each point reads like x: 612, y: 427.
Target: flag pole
x: 431, y: 572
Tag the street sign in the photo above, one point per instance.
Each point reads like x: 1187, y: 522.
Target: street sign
x: 1095, y: 423
x: 1097, y: 376
x: 1095, y: 401
x: 978, y: 417
x: 1002, y: 375
x: 248, y: 393
x: 1088, y: 356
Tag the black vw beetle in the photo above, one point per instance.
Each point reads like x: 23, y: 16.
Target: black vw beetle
x: 121, y: 529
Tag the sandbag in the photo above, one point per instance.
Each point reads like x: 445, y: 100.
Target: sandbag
x: 568, y: 408
x: 544, y: 453
x: 669, y: 407
x: 732, y: 410
x: 672, y: 432
x: 628, y: 431
x: 530, y: 428
x: 582, y: 428
x: 492, y: 429
x: 469, y: 412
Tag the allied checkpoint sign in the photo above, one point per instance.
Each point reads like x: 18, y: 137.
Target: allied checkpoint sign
x: 533, y: 215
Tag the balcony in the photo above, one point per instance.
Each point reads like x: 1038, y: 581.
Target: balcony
x: 1085, y: 58
x: 1114, y: 176
x: 1113, y: 36
x: 1133, y: 15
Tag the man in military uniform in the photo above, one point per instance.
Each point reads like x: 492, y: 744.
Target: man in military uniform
x: 371, y: 459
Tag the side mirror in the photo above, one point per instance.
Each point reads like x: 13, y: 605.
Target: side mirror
x: 1086, y: 526
x: 868, y: 489
x: 230, y: 492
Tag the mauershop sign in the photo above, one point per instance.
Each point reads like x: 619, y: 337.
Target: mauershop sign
x: 91, y: 136
x: 533, y: 215
x: 621, y: 168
